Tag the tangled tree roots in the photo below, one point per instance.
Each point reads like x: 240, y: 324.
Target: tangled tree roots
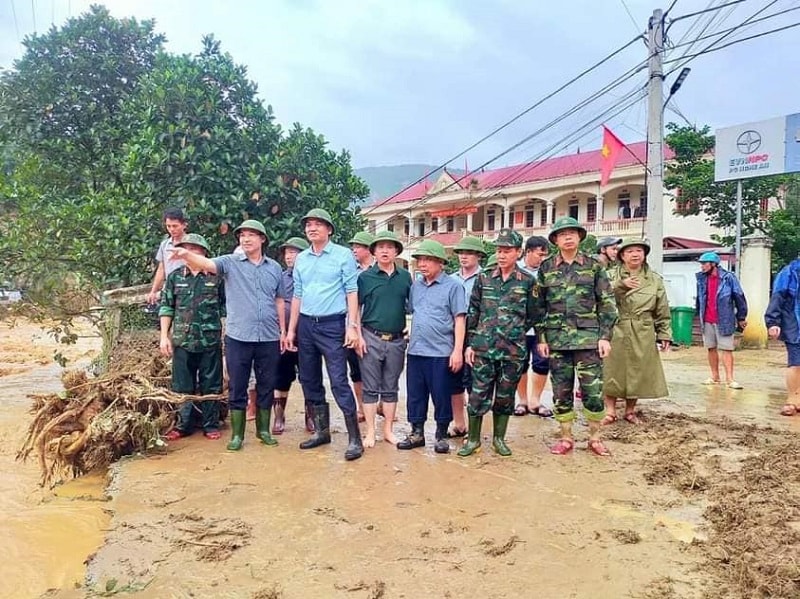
x: 99, y: 420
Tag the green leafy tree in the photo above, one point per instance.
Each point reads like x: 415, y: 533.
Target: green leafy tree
x: 784, y: 227
x: 691, y: 172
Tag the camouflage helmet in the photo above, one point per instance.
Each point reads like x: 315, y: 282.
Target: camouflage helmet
x: 642, y: 243
x: 362, y: 238
x: 431, y: 249
x: 194, y: 239
x: 508, y: 238
x: 251, y: 224
x: 386, y: 236
x: 605, y: 242
x: 492, y: 261
x: 319, y: 214
x: 470, y: 244
x: 564, y: 223
x: 297, y: 243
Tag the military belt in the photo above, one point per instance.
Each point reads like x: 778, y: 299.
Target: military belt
x: 383, y: 336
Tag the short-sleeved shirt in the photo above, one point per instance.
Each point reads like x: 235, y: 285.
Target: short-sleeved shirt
x: 163, y: 255
x: 322, y: 281
x: 468, y: 282
x: 196, y: 304
x: 434, y: 308
x: 250, y: 292
x: 384, y: 299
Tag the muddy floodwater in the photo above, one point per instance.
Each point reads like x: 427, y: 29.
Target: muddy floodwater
x: 275, y: 522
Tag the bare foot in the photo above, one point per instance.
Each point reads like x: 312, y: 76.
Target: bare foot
x: 389, y: 437
x: 369, y: 440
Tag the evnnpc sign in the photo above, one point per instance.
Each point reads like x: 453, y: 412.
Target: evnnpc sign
x: 770, y: 147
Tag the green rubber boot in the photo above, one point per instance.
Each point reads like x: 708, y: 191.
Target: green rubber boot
x: 237, y: 430
x: 499, y: 435
x: 262, y: 427
x: 473, y: 443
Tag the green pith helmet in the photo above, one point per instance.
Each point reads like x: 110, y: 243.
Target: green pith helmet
x: 386, y: 236
x: 297, y: 243
x: 492, y: 261
x: 319, y: 214
x: 253, y: 225
x: 508, y: 238
x: 194, y: 239
x: 470, y: 244
x: 642, y: 243
x: 564, y: 223
x: 431, y: 249
x: 362, y: 238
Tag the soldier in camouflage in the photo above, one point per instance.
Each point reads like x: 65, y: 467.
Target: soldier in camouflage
x: 501, y: 310
x: 191, y: 312
x: 575, y: 314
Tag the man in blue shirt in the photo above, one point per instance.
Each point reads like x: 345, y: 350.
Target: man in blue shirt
x: 324, y: 320
x: 256, y: 325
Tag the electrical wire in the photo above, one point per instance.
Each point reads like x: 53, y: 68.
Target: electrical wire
x: 630, y: 14
x: 33, y: 12
x: 520, y: 115
x: 700, y: 12
x: 16, y: 23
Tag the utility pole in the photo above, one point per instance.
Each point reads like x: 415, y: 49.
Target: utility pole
x: 654, y: 226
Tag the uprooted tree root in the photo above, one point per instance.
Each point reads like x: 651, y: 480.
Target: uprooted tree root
x: 753, y: 508
x: 99, y: 420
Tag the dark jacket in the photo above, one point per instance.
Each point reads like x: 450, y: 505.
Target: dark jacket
x: 731, y: 303
x: 784, y: 305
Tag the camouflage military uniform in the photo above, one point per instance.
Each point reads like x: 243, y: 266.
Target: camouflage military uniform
x: 574, y: 309
x: 500, y: 313
x: 196, y: 304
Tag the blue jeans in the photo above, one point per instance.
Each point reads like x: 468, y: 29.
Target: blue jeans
x: 429, y: 377
x: 241, y: 357
x: 324, y: 338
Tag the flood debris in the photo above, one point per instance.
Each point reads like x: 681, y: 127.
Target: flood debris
x: 626, y: 536
x: 212, y: 539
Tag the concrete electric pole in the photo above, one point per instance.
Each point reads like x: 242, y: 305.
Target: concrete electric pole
x: 654, y: 227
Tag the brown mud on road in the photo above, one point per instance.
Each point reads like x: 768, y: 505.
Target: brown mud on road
x: 698, y: 504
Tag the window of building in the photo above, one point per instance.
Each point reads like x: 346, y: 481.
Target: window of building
x: 623, y: 205
x: 573, y: 209
x: 451, y: 224
x: 406, y: 226
x: 461, y: 223
x: 529, y: 216
x: 591, y: 210
x: 372, y: 226
x: 390, y: 227
x: 421, y: 227
x: 543, y: 215
x: 490, y: 220
x: 641, y: 210
x: 510, y: 218
x: 434, y: 224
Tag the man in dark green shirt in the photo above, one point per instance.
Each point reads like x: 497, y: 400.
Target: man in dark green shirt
x: 191, y: 312
x: 383, y: 296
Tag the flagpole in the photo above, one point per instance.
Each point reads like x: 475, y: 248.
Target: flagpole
x: 654, y: 226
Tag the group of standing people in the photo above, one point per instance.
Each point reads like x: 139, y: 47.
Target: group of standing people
x: 598, y: 321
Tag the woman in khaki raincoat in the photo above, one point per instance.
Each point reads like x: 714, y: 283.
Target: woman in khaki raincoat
x: 633, y: 369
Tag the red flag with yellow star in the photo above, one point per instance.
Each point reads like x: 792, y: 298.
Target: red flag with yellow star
x: 609, y: 154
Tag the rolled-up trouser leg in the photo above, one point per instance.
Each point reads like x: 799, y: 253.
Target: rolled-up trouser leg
x: 562, y: 375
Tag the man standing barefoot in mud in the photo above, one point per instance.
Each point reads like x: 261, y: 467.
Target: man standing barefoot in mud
x: 255, y: 325
x: 325, y: 322
x: 500, y: 313
x: 383, y: 291
x: 192, y: 308
x: 575, y: 315
x: 783, y: 322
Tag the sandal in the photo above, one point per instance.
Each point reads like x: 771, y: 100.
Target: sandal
x: 174, y: 435
x: 456, y: 433
x: 521, y: 410
x: 632, y: 418
x: 597, y: 448
x: 790, y: 409
x: 710, y: 381
x: 562, y: 447
x: 609, y: 419
x: 211, y: 435
x: 541, y: 412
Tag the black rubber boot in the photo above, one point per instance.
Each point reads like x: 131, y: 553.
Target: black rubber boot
x: 441, y: 446
x: 309, y: 418
x: 237, y: 430
x: 262, y: 427
x: 355, y: 449
x: 499, y: 435
x: 415, y: 439
x: 473, y: 443
x: 321, y: 414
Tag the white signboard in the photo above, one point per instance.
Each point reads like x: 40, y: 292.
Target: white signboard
x: 756, y: 149
x: 750, y: 150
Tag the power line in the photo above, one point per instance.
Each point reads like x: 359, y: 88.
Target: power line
x: 33, y: 12
x: 700, y: 12
x: 16, y: 24
x: 521, y: 114
x: 628, y: 10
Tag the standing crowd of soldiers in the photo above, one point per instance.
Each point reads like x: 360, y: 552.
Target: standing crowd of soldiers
x: 595, y: 324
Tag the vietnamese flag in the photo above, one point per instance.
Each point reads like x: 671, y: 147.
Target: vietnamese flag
x: 609, y: 154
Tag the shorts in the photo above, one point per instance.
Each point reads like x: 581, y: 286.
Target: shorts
x: 793, y: 354
x: 539, y: 365
x: 461, y: 381
x: 713, y: 340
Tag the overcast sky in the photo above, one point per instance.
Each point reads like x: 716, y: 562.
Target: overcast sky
x: 399, y: 81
